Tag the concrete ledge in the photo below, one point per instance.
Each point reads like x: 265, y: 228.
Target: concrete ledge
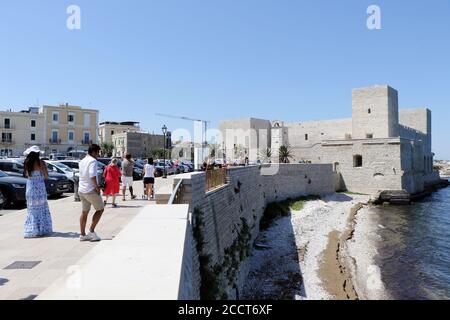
x: 144, y: 262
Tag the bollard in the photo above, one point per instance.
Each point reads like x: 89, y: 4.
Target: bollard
x: 76, y: 180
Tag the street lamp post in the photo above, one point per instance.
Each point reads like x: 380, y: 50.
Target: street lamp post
x: 164, y: 130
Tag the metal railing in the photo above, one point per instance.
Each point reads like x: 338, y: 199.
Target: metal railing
x: 177, y: 194
x: 86, y: 142
x: 216, y: 178
x: 54, y: 141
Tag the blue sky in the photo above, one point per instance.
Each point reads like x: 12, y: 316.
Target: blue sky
x: 215, y: 59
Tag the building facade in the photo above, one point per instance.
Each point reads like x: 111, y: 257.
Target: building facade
x: 379, y: 148
x: 57, y: 129
x: 20, y: 130
x: 109, y: 128
x: 138, y: 144
x: 69, y: 128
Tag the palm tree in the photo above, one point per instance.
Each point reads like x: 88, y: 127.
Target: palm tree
x: 265, y: 154
x: 285, y: 154
x: 107, y: 149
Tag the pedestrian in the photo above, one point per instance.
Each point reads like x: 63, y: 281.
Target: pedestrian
x: 149, y: 178
x: 39, y: 221
x: 112, y: 182
x: 89, y: 192
x: 127, y: 176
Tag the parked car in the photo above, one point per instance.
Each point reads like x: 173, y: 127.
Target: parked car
x: 75, y: 165
x: 56, y: 183
x: 159, y: 168
x: 12, y: 190
x: 190, y: 165
x: 2, y: 200
x: 58, y: 167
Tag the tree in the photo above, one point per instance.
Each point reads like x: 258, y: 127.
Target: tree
x: 213, y: 150
x: 239, y: 151
x: 107, y: 149
x: 285, y: 154
x: 157, y: 153
x: 265, y: 154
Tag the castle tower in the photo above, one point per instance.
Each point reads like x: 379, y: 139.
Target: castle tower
x: 375, y: 112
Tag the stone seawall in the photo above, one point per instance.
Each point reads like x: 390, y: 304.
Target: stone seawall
x: 225, y: 221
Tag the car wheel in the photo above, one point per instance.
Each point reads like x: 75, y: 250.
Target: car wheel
x: 2, y: 200
x: 7, y: 202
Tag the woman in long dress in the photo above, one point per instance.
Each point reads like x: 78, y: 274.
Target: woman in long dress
x: 112, y: 182
x: 39, y: 221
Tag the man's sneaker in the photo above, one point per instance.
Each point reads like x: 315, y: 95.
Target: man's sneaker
x: 133, y: 197
x: 85, y: 238
x: 94, y: 237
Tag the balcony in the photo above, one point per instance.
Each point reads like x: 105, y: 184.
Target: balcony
x: 54, y: 141
x: 86, y: 142
x: 7, y: 142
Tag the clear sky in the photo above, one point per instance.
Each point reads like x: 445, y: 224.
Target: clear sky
x: 216, y: 59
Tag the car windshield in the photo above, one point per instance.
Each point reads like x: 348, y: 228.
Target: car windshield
x: 62, y: 166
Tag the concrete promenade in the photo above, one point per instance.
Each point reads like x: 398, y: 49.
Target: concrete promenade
x: 58, y: 254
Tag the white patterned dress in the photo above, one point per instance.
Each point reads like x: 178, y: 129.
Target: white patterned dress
x: 39, y: 221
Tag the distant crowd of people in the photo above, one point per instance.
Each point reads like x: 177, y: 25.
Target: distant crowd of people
x: 38, y: 222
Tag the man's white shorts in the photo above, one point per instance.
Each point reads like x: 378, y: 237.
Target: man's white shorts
x: 127, y: 182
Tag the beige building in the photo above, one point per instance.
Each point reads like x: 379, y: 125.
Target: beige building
x: 69, y: 128
x: 138, y: 144
x: 109, y: 128
x: 20, y: 130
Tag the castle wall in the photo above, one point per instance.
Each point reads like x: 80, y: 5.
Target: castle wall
x: 244, y: 198
x: 420, y: 121
x: 381, y: 164
x: 245, y: 137
x: 375, y: 112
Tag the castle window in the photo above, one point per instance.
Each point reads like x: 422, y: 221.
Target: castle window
x: 369, y: 111
x: 369, y: 135
x: 306, y: 137
x: 357, y: 161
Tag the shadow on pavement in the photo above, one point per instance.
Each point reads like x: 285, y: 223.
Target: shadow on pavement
x: 64, y: 235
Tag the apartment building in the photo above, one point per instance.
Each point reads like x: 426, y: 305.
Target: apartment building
x: 69, y: 128
x: 109, y: 128
x: 20, y: 130
x: 138, y: 144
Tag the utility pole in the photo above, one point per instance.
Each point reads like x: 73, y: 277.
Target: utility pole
x: 204, y: 144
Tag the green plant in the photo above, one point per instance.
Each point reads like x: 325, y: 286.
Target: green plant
x: 265, y: 154
x: 282, y: 209
x: 285, y: 154
x: 107, y: 149
x: 157, y: 153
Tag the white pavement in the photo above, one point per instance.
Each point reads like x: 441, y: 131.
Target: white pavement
x: 144, y: 262
x: 58, y: 252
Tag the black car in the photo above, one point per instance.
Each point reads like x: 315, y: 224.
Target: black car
x: 56, y: 183
x: 12, y: 190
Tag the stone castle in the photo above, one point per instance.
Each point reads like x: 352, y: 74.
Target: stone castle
x: 380, y: 148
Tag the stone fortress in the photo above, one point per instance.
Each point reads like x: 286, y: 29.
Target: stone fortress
x: 381, y: 148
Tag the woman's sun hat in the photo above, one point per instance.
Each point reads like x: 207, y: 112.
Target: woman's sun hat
x: 32, y: 149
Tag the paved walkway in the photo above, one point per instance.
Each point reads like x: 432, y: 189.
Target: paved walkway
x: 58, y: 252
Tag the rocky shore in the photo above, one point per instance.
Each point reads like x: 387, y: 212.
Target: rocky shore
x: 304, y: 256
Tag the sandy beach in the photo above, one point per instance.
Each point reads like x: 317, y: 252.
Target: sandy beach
x: 310, y: 255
